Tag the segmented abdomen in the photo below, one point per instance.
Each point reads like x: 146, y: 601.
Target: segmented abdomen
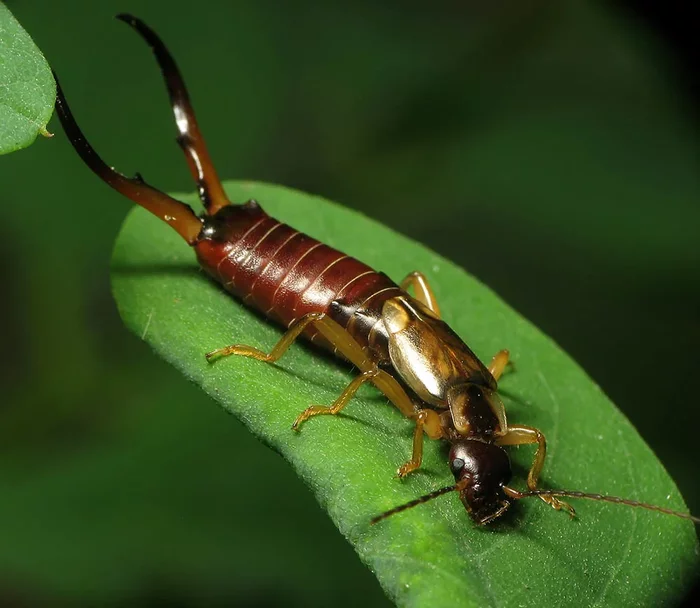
x: 286, y: 274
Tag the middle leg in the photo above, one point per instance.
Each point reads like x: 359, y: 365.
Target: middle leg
x: 339, y: 403
x: 498, y: 363
x: 422, y: 290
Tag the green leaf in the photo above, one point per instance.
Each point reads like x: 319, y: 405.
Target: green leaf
x: 27, y: 88
x: 432, y: 555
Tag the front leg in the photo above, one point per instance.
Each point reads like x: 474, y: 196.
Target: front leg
x: 523, y: 435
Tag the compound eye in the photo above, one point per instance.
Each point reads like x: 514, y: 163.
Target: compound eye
x: 456, y: 465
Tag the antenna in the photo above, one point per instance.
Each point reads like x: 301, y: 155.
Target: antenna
x: 512, y: 493
x: 517, y: 495
x: 418, y: 501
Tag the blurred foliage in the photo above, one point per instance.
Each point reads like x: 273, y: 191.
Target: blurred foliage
x: 27, y: 89
x: 543, y: 146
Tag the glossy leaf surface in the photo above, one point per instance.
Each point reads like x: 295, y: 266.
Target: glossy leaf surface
x: 27, y: 89
x: 433, y: 555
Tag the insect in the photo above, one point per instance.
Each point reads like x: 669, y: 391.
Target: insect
x: 398, y: 342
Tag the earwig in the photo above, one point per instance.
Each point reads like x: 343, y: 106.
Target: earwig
x: 398, y: 342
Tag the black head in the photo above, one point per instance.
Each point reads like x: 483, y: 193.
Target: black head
x: 485, y: 468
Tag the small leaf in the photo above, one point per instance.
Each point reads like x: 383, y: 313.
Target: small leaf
x: 432, y: 555
x: 27, y: 88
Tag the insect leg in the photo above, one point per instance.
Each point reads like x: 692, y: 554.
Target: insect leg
x: 522, y: 435
x: 422, y: 290
x: 346, y: 346
x: 339, y: 403
x: 211, y: 191
x: 498, y: 363
x: 428, y: 421
x: 292, y: 333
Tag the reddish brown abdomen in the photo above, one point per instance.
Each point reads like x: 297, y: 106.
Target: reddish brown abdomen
x: 286, y: 274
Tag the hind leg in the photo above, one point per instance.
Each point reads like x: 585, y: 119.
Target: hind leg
x: 345, y: 344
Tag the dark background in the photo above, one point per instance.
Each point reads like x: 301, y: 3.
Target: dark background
x: 550, y: 148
